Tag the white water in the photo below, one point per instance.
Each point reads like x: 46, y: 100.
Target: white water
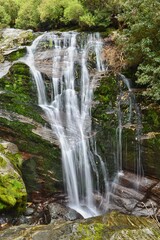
x: 69, y: 113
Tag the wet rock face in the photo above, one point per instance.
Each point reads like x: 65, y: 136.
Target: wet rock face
x: 110, y: 226
x: 135, y: 195
x: 44, y: 61
x: 22, y: 122
x: 12, y: 38
x: 12, y: 45
x: 60, y: 212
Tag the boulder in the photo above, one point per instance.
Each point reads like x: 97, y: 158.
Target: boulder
x: 131, y: 180
x: 12, y: 38
x: 13, y: 192
x: 59, y: 211
x: 12, y: 47
x: 136, y: 195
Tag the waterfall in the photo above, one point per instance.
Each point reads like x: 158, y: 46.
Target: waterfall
x: 69, y: 112
x: 134, y: 117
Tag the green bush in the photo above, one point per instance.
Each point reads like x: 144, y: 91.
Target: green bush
x: 4, y: 17
x: 8, y: 12
x: 73, y: 12
x: 140, y: 41
x: 28, y: 15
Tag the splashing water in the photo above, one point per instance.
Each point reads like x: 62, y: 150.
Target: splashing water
x: 69, y: 112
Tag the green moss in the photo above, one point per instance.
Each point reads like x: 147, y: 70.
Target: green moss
x: 87, y: 232
x: 16, y: 55
x: 105, y: 121
x: 13, y: 193
x: 7, y: 199
x: 2, y: 206
x: 2, y: 149
x: 115, y: 226
x: 105, y: 96
x: 14, y: 158
x: 12, y: 189
x: 44, y: 162
x: 3, y: 163
x: 20, y: 93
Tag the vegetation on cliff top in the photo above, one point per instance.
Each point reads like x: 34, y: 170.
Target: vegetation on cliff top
x: 137, y: 25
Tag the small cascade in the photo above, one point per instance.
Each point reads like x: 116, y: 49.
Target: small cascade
x: 130, y: 118
x: 69, y: 112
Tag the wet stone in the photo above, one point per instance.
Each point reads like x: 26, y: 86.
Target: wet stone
x: 59, y: 211
x: 124, y: 203
x: 131, y: 180
x: 9, y: 147
x: 144, y: 212
x: 29, y: 211
x: 148, y: 208
x: 156, y: 190
x: 127, y: 192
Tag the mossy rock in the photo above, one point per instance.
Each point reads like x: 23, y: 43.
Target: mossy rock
x: 12, y: 189
x: 15, y: 55
x: 13, y: 38
x: 1, y: 58
x: 20, y: 93
x: 19, y: 100
x: 13, y: 192
x: 42, y: 170
x: 112, y: 226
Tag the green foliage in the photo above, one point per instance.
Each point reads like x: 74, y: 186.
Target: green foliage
x: 57, y: 13
x: 51, y: 11
x: 141, y: 42
x: 3, y: 163
x: 87, y: 20
x: 101, y: 13
x: 73, y: 12
x: 4, y: 17
x: 8, y: 12
x: 28, y: 15
x: 138, y: 23
x: 15, y: 55
x: 93, y: 5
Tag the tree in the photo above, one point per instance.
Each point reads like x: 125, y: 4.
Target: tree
x: 8, y: 12
x: 28, y: 15
x: 4, y: 17
x: 140, y: 41
x: 73, y: 12
x: 52, y: 11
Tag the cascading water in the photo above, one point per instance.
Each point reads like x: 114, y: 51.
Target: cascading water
x: 69, y: 113
x: 133, y: 116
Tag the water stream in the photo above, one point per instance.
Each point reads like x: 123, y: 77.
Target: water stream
x: 127, y: 118
x: 69, y: 112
